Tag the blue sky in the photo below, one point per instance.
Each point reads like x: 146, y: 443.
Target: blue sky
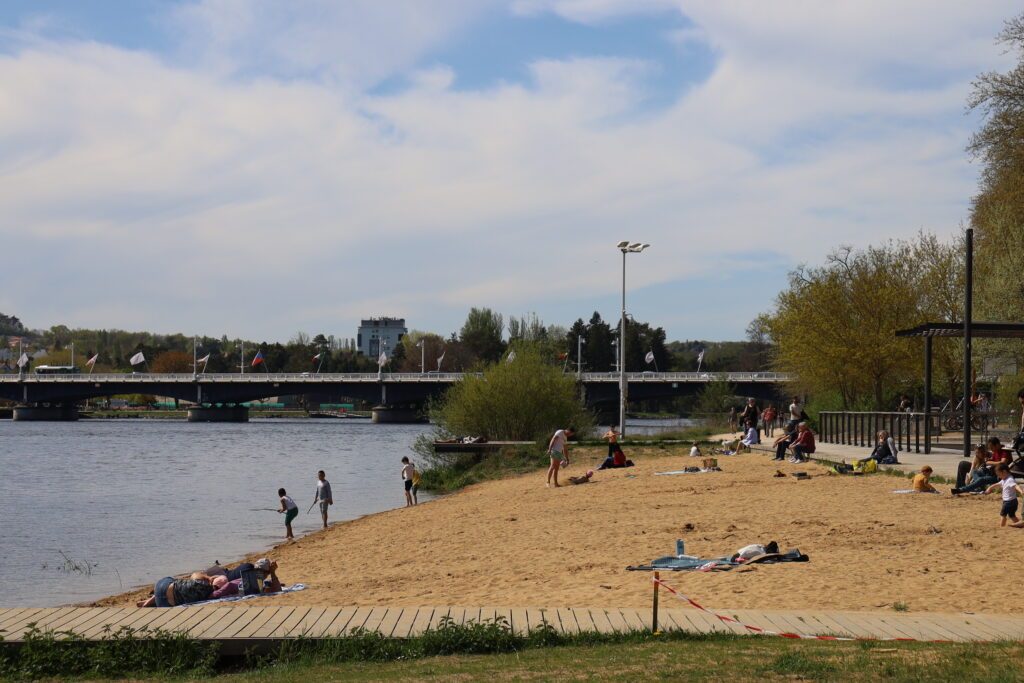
x: 258, y: 168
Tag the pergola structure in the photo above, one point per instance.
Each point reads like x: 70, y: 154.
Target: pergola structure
x: 930, y: 331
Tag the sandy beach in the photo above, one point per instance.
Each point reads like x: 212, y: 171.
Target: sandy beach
x: 515, y: 542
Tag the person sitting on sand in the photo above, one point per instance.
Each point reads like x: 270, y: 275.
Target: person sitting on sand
x: 695, y: 451
x: 169, y: 591
x: 922, y: 482
x: 750, y: 438
x: 803, y: 444
x: 585, y: 479
x: 1011, y: 490
x: 997, y: 453
x: 884, y: 451
x: 558, y: 452
x: 980, y: 476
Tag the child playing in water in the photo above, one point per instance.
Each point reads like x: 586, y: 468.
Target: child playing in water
x: 290, y: 510
x: 1011, y: 489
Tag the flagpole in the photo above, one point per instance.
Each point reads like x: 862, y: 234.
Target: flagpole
x: 241, y: 362
x: 72, y: 354
x: 195, y: 355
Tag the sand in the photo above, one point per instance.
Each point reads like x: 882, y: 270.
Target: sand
x: 517, y: 543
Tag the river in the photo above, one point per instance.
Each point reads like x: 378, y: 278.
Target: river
x: 129, y: 501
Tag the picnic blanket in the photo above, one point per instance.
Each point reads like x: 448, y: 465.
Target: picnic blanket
x: 696, y: 470
x: 913, y: 491
x: 689, y: 563
x: 236, y: 598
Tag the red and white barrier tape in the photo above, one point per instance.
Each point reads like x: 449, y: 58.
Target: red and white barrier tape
x: 765, y: 632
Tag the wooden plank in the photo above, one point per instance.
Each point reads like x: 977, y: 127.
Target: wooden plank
x: 706, y: 623
x: 212, y: 627
x: 536, y: 618
x: 519, y: 621
x: 246, y: 618
x: 858, y: 629
x: 985, y: 630
x: 164, y: 616
x: 358, y: 620
x: 600, y: 620
x: 271, y: 625
x: 324, y: 622
x: 439, y: 615
x: 503, y: 615
x: 614, y: 617
x: 904, y: 626
x: 290, y: 622
x: 568, y: 620
x: 422, y: 621
x: 583, y: 619
x: 457, y: 615
x: 821, y: 624
x: 376, y: 616
x: 202, y: 617
x: 86, y: 619
x: 142, y: 616
x: 921, y: 629
x: 486, y: 615
x: 633, y: 619
x: 667, y: 621
x: 340, y: 623
x: 10, y: 614
x: 106, y: 625
x: 404, y: 623
x: 387, y: 625
x: 257, y: 623
x: 46, y: 623
x: 304, y: 626
x: 948, y: 630
x: 23, y: 618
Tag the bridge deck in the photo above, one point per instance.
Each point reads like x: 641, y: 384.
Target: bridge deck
x: 238, y: 627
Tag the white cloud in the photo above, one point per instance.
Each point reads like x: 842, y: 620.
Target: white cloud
x: 181, y: 196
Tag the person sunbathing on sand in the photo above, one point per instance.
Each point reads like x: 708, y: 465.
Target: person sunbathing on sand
x: 585, y: 479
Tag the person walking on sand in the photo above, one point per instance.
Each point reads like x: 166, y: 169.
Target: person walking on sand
x: 323, y: 495
x: 1011, y: 490
x: 290, y: 510
x: 558, y: 451
x: 408, y: 476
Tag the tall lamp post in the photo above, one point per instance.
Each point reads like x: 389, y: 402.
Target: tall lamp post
x: 626, y: 248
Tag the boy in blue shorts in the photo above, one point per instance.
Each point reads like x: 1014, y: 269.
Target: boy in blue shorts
x: 1011, y: 489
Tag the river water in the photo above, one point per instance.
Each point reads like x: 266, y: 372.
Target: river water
x: 130, y: 501
x: 95, y: 507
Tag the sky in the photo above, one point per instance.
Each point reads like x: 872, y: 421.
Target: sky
x: 257, y: 168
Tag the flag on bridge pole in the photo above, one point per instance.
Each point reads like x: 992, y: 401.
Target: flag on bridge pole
x: 382, y: 360
x: 137, y: 358
x: 204, y: 360
x: 440, y: 360
x: 649, y: 358
x: 700, y: 359
x: 23, y: 361
x: 257, y: 359
x: 91, y: 363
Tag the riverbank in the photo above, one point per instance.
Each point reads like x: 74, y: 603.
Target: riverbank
x: 515, y: 542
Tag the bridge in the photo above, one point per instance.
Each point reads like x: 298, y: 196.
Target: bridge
x: 54, y: 396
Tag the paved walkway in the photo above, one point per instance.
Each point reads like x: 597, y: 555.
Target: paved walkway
x: 243, y: 626
x: 944, y: 462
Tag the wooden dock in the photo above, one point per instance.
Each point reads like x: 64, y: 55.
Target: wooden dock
x: 239, y: 628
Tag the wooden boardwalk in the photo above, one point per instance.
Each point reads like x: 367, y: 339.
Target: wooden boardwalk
x: 244, y: 626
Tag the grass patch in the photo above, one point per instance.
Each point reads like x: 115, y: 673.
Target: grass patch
x: 490, y: 650
x: 452, y: 471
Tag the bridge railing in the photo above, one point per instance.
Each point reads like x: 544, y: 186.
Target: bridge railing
x: 334, y: 377
x: 861, y: 429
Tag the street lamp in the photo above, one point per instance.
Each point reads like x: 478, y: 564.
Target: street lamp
x: 423, y: 355
x: 579, y: 356
x: 625, y: 247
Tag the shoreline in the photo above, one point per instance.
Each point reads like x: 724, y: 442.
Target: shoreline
x: 513, y: 542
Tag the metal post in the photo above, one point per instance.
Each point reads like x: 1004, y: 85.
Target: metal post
x: 72, y: 354
x: 968, y: 296
x: 195, y: 365
x: 654, y: 611
x: 241, y: 360
x: 579, y: 356
x: 927, y: 394
x: 623, y: 387
x: 423, y: 356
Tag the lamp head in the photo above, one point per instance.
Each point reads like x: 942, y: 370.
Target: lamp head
x: 622, y: 245
x: 635, y: 246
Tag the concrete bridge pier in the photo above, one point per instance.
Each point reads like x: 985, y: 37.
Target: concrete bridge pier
x: 218, y: 414
x: 38, y: 413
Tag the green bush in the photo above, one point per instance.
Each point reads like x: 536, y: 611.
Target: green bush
x: 526, y: 399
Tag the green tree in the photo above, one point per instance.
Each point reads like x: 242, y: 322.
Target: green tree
x: 481, y: 334
x: 523, y: 400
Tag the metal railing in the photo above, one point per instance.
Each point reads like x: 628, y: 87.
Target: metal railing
x: 861, y: 429
x: 415, y: 377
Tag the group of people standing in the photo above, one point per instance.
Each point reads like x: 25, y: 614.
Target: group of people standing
x: 768, y: 419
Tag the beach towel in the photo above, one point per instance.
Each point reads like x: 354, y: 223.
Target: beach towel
x: 689, y: 563
x: 913, y: 491
x: 235, y: 598
x: 693, y: 470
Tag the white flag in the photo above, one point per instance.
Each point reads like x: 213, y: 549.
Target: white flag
x: 382, y: 361
x: 700, y: 357
x: 511, y: 357
x: 204, y: 360
x: 649, y: 357
x: 92, y: 361
x: 316, y: 357
x: 439, y: 360
x: 23, y: 361
x: 137, y: 358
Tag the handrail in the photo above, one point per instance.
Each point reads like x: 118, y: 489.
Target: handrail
x: 430, y: 377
